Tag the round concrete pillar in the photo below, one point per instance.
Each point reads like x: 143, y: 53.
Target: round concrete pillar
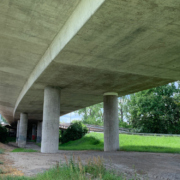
x: 17, y: 131
x: 23, y: 130
x: 111, y: 122
x: 50, y: 127
x: 39, y: 132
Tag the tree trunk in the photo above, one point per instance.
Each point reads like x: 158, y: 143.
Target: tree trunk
x: 122, y: 114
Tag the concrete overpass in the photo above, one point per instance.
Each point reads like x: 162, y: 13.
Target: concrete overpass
x: 77, y: 50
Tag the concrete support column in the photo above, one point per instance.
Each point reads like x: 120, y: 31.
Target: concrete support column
x: 17, y: 131
x: 39, y: 132
x: 111, y: 122
x: 50, y: 127
x: 33, y: 132
x: 23, y: 130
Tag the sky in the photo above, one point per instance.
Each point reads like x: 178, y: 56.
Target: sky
x: 70, y: 117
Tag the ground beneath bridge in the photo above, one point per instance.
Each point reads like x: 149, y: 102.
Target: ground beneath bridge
x: 155, y: 166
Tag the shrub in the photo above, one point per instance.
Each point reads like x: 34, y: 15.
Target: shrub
x: 75, y: 131
x: 3, y: 134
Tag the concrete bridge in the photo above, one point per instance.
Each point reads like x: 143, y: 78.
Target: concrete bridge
x: 58, y: 56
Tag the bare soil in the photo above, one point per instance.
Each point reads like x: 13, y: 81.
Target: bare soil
x: 152, y: 166
x: 7, y: 167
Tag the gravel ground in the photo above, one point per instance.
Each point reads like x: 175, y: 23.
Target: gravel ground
x: 152, y: 165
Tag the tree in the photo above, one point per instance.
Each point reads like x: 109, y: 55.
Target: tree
x: 155, y: 110
x: 122, y: 112
x: 92, y: 114
x: 75, y: 131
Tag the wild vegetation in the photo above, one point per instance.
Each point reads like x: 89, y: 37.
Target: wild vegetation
x: 74, y: 170
x: 3, y: 134
x: 155, y: 110
x: 23, y: 150
x: 75, y: 131
x: 1, y: 151
x: 95, y: 141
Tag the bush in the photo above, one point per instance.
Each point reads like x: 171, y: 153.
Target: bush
x: 75, y: 131
x: 3, y: 134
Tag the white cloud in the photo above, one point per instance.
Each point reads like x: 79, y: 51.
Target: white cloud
x: 70, y: 117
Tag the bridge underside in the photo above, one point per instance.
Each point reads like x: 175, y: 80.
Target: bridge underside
x: 86, y: 48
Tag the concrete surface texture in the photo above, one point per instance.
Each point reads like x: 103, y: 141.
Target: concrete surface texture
x: 23, y: 130
x: 39, y: 132
x: 151, y: 166
x: 17, y: 131
x: 51, y: 113
x: 111, y: 122
x: 86, y: 47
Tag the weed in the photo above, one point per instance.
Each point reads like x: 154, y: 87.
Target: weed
x: 1, y: 171
x: 23, y: 150
x: 75, y: 170
x: 1, y: 151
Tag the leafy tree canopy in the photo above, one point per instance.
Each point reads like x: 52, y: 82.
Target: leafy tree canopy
x: 155, y: 110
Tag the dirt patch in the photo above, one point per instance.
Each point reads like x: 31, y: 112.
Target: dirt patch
x: 7, y: 166
x: 151, y: 166
x: 6, y: 147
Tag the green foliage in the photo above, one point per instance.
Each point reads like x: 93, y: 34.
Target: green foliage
x: 156, y: 110
x: 1, y: 162
x: 75, y: 131
x: 1, y: 171
x: 3, y: 134
x: 124, y: 124
x: 86, y: 143
x: 11, y: 139
x: 92, y: 114
x: 14, y: 178
x: 95, y: 141
x: 1, y: 151
x: 23, y: 150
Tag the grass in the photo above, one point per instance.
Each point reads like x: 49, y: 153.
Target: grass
x: 38, y: 144
x: 95, y: 141
x: 1, y: 151
x: 23, y: 150
x: 74, y: 170
x: 1, y: 171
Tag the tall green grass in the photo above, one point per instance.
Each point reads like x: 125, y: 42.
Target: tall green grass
x: 95, y: 141
x: 74, y: 170
x: 23, y: 150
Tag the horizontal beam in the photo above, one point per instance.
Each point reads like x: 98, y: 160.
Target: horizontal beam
x: 84, y: 10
